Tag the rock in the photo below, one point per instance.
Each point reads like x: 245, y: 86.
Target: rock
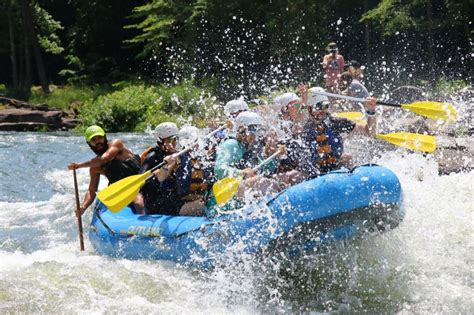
x: 13, y: 115
x: 454, y: 154
x: 69, y: 123
x: 453, y: 160
x: 33, y: 117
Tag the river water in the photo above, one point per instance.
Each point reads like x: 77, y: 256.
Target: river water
x: 423, y: 266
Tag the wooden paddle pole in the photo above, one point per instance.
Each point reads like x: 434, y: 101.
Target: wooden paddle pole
x: 78, y: 214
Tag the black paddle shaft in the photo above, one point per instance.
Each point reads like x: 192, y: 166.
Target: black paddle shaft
x: 182, y: 152
x: 389, y: 104
x: 154, y: 168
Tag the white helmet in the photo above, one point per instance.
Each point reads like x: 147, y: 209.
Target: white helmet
x: 285, y: 99
x: 188, y: 136
x: 235, y: 106
x: 314, y: 97
x: 165, y: 130
x: 246, y: 119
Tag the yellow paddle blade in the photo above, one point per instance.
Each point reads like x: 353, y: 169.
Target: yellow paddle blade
x: 412, y: 141
x: 350, y: 115
x: 433, y: 110
x: 356, y: 117
x: 121, y: 193
x: 225, y: 189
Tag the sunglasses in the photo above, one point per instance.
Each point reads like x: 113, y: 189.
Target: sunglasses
x: 321, y: 106
x: 171, y: 139
x: 253, y: 129
x: 235, y: 114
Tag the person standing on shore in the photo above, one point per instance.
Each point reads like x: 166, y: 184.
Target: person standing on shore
x: 333, y: 65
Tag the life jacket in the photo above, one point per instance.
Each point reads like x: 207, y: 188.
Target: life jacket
x: 326, y: 146
x: 116, y: 170
x: 200, y: 181
x: 144, y: 154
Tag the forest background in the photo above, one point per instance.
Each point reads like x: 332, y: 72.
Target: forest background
x: 128, y: 64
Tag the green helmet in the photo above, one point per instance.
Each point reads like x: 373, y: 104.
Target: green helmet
x: 93, y: 131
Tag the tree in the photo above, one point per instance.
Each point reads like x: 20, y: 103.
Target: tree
x: 417, y: 27
x: 31, y: 33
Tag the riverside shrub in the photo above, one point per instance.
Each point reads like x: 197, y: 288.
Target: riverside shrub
x: 137, y: 106
x: 121, y: 110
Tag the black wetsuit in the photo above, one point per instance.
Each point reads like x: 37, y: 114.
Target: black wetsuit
x: 165, y: 197
x: 116, y: 170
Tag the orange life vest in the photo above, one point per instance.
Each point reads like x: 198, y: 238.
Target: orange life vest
x: 199, y: 181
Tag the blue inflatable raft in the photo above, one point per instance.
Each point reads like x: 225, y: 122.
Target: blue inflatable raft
x: 328, y: 208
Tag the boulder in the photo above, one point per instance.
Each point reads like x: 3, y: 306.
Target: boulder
x: 14, y: 115
x: 21, y: 116
x: 454, y: 154
x: 453, y: 161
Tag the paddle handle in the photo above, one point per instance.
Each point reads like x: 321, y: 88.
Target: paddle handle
x: 356, y: 99
x: 78, y: 209
x: 187, y: 149
x: 184, y: 151
x: 216, y: 131
x: 164, y: 162
x: 267, y: 160
x: 345, y: 97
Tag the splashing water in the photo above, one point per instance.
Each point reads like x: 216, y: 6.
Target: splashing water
x: 423, y: 266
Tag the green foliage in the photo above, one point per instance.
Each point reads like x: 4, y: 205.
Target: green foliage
x: 449, y: 87
x: 119, y: 111
x: 160, y: 21
x: 42, y: 129
x: 62, y: 97
x: 74, y: 73
x: 182, y: 102
x: 232, y: 48
x: 47, y: 28
x: 401, y: 15
x: 392, y: 15
x: 137, y: 106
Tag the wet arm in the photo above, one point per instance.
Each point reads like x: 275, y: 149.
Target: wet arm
x: 325, y: 61
x: 370, y: 129
x: 164, y: 172
x: 115, y: 147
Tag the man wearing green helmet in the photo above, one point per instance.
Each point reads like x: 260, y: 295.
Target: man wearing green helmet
x: 114, y: 160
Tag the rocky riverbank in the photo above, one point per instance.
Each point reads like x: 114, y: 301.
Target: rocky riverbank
x: 21, y: 116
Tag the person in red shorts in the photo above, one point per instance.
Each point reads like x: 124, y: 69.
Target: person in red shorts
x: 333, y: 65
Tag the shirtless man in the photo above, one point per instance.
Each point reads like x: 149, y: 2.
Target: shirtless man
x: 114, y: 160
